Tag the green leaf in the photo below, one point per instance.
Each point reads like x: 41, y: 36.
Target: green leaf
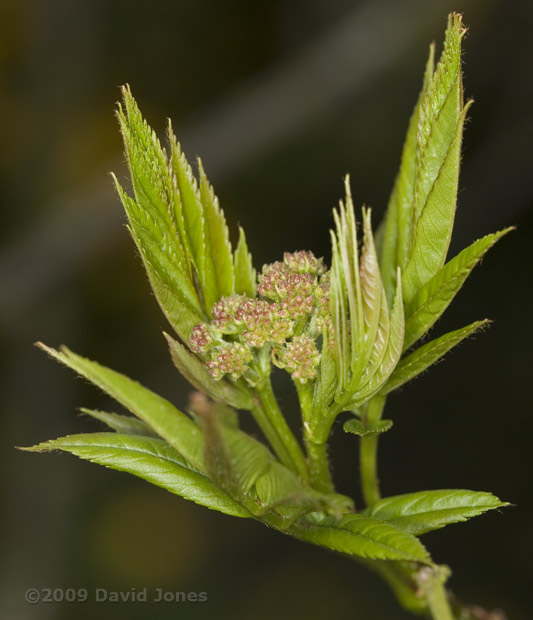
x: 219, y: 257
x: 195, y: 371
x: 375, y: 377
x: 173, y: 287
x: 152, y: 184
x: 191, y: 210
x: 358, y: 427
x: 436, y: 295
x: 249, y: 458
x: 176, y: 222
x: 245, y: 274
x: 150, y: 459
x: 126, y: 424
x: 372, y: 293
x: 278, y: 489
x: 440, y: 130
x: 326, y: 382
x: 418, y: 361
x: 347, y: 302
x: 169, y: 423
x: 217, y: 459
x: 365, y: 537
x: 397, y: 227
x: 418, y: 513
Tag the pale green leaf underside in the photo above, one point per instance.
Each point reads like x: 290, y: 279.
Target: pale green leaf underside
x: 365, y: 537
x: 418, y: 513
x: 150, y: 459
x: 418, y: 361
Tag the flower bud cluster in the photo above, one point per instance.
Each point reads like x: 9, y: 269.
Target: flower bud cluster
x: 300, y: 358
x: 293, y: 303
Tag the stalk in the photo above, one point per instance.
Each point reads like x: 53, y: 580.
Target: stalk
x: 369, y: 452
x: 269, y: 417
x: 317, y: 456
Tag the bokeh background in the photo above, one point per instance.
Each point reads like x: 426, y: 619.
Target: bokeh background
x: 280, y: 99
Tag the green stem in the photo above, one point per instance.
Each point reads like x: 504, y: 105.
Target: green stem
x: 369, y: 451
x: 401, y: 578
x: 436, y: 595
x: 317, y: 456
x: 319, y: 465
x: 269, y: 417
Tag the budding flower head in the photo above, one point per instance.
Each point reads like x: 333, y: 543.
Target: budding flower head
x: 231, y: 359
x: 200, y: 340
x: 300, y: 358
x: 293, y: 298
x: 225, y: 310
x: 304, y: 262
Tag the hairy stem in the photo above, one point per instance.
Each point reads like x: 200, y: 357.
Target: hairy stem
x: 431, y: 581
x: 369, y: 452
x: 317, y: 456
x: 269, y: 417
x: 439, y: 604
x: 319, y: 466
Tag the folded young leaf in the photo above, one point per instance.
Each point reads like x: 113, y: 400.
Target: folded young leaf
x: 376, y: 376
x: 217, y: 458
x: 278, y: 489
x: 358, y: 427
x: 326, y: 382
x: 346, y: 294
x: 150, y: 459
x: 125, y: 424
x: 372, y: 293
x: 421, y: 359
x: 169, y: 423
x: 418, y: 513
x: 245, y: 274
x: 249, y: 458
x: 436, y: 295
x: 365, y: 537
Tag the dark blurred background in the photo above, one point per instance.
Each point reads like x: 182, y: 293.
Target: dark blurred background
x: 280, y: 99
